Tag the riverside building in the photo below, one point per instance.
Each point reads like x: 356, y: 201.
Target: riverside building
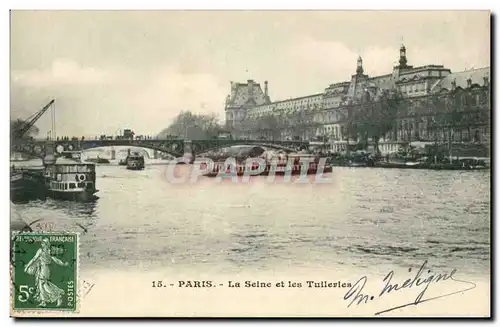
x: 250, y: 113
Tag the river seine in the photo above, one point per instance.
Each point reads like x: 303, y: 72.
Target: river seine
x: 364, y: 219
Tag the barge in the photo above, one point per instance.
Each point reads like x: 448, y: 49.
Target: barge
x: 27, y: 185
x: 220, y: 168
x: 275, y: 163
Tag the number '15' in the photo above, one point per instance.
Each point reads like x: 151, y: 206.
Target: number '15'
x: 157, y: 283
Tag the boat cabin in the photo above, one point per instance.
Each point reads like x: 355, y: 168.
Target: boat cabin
x: 76, y: 155
x: 70, y: 176
x: 135, y: 161
x: 137, y: 157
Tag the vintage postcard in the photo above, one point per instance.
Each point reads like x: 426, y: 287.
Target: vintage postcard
x: 250, y: 164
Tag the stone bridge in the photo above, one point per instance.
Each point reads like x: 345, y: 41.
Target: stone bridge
x: 174, y: 147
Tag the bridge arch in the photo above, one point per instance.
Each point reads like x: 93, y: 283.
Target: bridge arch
x: 141, y: 150
x: 172, y: 147
x: 121, y: 151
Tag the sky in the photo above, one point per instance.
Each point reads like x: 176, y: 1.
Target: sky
x: 111, y: 70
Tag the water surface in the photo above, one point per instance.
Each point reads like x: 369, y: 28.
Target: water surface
x: 366, y: 218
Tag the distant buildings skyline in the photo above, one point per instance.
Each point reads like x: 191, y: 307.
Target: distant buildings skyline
x: 247, y: 104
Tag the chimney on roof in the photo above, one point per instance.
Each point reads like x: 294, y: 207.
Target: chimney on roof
x: 265, y: 89
x: 486, y: 81
x: 453, y: 84
x: 469, y: 82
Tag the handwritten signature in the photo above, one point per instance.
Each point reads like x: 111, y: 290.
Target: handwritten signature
x: 356, y: 297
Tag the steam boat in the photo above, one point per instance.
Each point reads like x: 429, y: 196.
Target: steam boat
x: 68, y: 179
x: 135, y: 161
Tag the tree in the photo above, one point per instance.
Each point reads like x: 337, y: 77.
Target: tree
x: 446, y: 116
x: 249, y: 126
x: 17, y: 124
x: 384, y: 115
x: 351, y: 127
x: 269, y: 125
x: 374, y: 117
x: 300, y: 122
x: 272, y: 124
x: 193, y: 126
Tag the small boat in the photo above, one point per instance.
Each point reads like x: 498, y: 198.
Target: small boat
x: 68, y: 179
x: 357, y: 164
x: 355, y: 159
x: 135, y: 161
x: 75, y: 155
x: 474, y: 163
x: 27, y: 185
x: 98, y: 160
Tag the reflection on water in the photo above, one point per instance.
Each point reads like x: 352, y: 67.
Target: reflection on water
x: 56, y: 215
x: 70, y: 208
x: 365, y: 218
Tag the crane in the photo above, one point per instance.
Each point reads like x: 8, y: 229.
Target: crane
x: 30, y: 121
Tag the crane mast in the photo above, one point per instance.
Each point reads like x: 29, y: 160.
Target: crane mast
x: 31, y: 121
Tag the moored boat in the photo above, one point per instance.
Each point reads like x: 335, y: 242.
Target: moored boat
x: 135, y: 161
x: 275, y: 163
x: 443, y: 164
x: 221, y: 168
x: 27, y: 185
x: 68, y: 179
x: 98, y: 160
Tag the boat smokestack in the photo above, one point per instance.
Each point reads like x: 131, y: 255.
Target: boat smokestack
x: 49, y: 158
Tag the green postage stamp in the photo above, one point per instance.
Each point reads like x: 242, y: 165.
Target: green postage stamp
x: 44, y: 271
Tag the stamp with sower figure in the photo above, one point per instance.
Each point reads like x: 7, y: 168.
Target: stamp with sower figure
x: 44, y: 271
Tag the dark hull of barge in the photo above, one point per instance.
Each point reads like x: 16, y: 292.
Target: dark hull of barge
x: 27, y: 186
x: 84, y: 196
x: 268, y: 171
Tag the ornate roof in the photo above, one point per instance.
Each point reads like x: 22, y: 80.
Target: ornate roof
x: 383, y: 81
x: 476, y: 75
x: 246, y: 94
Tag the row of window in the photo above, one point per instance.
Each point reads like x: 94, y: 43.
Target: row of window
x: 306, y: 103
x: 467, y: 99
x: 466, y: 102
x: 65, y: 186
x: 413, y: 88
x: 75, y: 169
